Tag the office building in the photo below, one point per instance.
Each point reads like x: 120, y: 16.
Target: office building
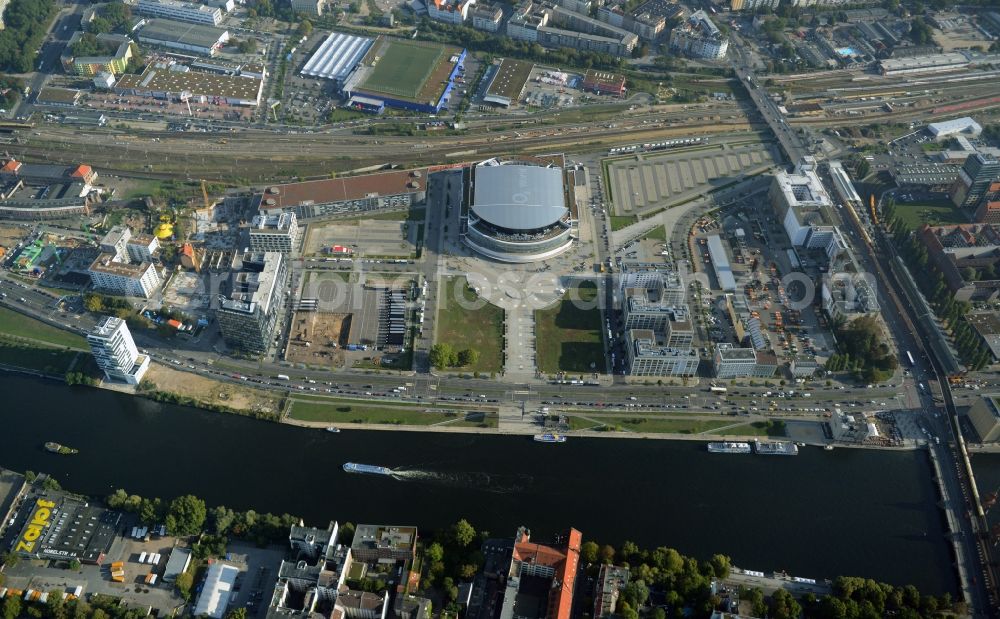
x: 248, y: 312
x: 985, y: 417
x: 277, y: 232
x: 115, y: 352
x: 179, y: 10
x: 975, y: 179
x: 649, y: 355
x: 734, y: 362
x: 699, y: 37
x: 313, y: 8
x: 803, y: 205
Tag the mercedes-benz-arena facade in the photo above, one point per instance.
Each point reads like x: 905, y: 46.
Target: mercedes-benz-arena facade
x: 518, y: 210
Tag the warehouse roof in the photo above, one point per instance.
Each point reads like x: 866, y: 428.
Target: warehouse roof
x: 519, y: 197
x: 168, y: 30
x: 160, y: 77
x: 337, y: 56
x: 341, y: 189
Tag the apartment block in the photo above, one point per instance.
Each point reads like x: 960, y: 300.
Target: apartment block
x: 115, y: 351
x: 180, y: 10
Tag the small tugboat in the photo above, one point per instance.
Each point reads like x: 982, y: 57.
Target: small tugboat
x: 56, y: 448
x: 333, y: 429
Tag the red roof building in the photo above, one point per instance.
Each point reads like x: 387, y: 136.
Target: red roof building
x: 604, y: 83
x: 556, y: 563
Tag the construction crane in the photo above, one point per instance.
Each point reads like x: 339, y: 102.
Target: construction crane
x: 204, y: 193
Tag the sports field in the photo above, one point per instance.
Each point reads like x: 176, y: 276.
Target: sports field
x: 404, y: 68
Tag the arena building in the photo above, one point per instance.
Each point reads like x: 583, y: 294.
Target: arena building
x: 520, y: 209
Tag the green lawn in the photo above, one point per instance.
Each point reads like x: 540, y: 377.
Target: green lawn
x: 935, y: 213
x: 671, y: 426
x: 568, y: 335
x: 344, y: 413
x: 19, y: 325
x: 331, y: 401
x: 747, y: 429
x: 48, y: 360
x: 621, y: 221
x: 476, y: 420
x: 480, y: 328
x: 756, y: 428
x: 659, y: 233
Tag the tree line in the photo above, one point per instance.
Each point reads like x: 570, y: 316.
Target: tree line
x: 188, y: 515
x: 25, y: 25
x: 478, y: 40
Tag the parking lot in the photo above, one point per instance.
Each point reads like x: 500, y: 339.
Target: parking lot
x: 647, y: 180
x: 365, y: 237
x: 96, y: 579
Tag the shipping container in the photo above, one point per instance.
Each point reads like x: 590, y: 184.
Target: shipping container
x: 142, y: 557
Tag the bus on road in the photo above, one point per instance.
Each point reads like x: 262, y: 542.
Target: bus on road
x: 909, y: 357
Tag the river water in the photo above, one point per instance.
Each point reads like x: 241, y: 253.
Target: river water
x: 818, y: 515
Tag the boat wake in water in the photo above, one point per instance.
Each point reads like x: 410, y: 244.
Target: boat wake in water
x: 489, y: 482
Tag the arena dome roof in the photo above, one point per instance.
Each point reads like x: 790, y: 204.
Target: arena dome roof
x: 519, y: 197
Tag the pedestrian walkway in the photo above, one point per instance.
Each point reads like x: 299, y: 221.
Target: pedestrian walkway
x: 519, y: 331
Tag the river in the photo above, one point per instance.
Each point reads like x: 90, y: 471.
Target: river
x: 818, y: 515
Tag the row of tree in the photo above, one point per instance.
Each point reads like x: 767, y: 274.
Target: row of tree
x: 444, y: 355
x: 972, y: 350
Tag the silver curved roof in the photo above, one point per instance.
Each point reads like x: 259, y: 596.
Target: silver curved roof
x: 519, y: 197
